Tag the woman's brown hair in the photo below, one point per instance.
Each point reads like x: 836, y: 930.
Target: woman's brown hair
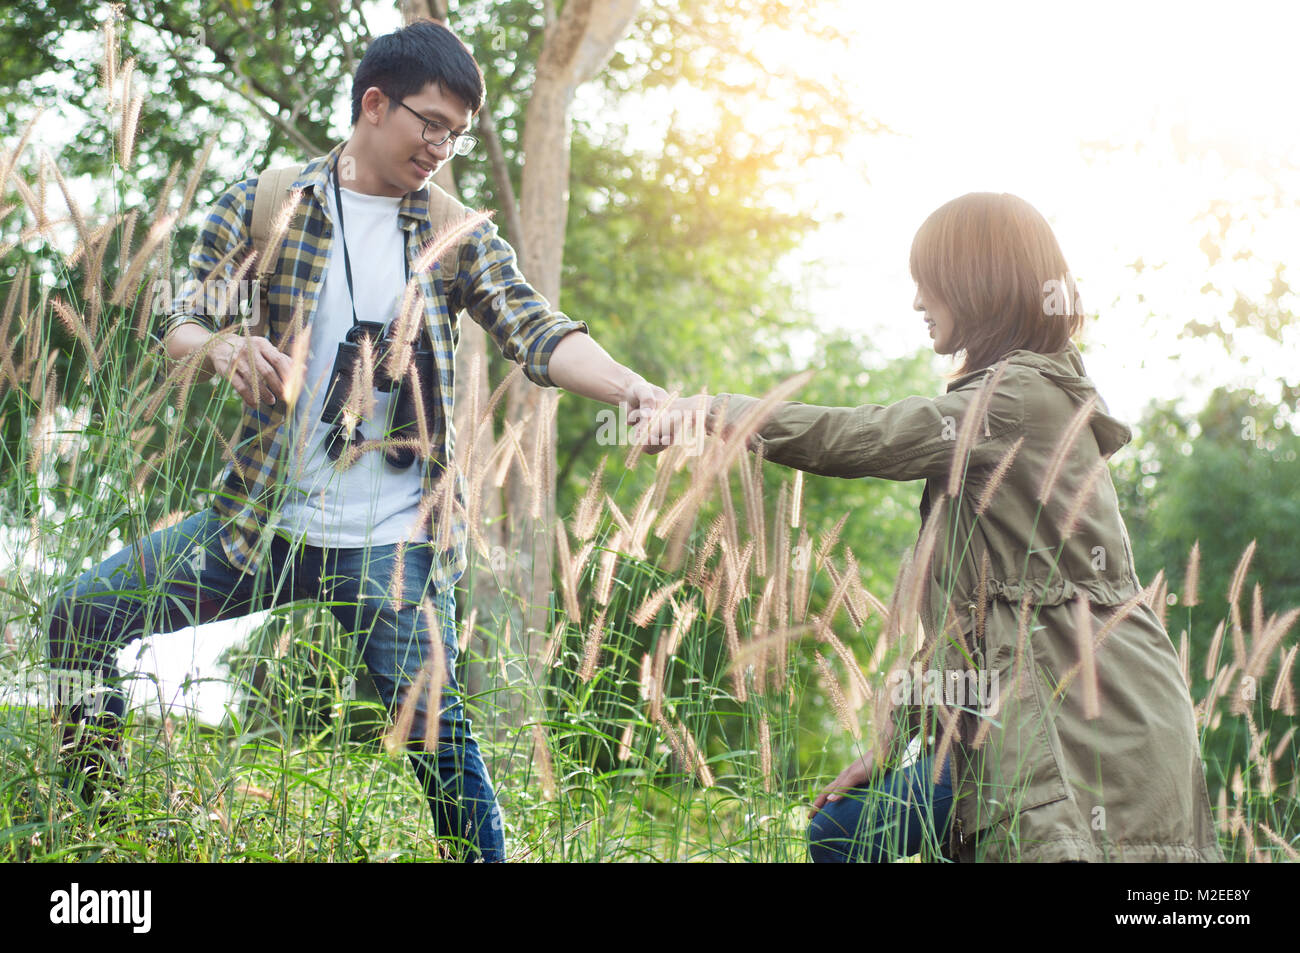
x: 993, y: 261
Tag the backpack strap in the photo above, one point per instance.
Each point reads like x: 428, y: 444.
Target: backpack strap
x: 269, y: 199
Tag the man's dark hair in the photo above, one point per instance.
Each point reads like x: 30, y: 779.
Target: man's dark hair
x: 405, y: 61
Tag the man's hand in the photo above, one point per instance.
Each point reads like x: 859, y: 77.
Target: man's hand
x: 255, y: 367
x: 854, y: 776
x: 680, y: 422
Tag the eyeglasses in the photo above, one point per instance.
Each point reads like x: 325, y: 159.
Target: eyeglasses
x: 436, y: 133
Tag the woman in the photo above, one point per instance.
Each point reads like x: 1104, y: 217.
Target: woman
x: 1026, y: 586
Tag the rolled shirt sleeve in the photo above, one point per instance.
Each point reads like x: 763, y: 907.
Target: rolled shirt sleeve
x: 216, y: 249
x: 490, y: 287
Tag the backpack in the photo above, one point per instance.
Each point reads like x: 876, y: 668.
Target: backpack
x: 444, y: 211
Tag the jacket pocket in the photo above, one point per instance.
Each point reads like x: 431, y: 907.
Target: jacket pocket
x: 1006, y: 760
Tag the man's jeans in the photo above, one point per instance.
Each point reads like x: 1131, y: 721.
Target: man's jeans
x: 180, y: 576
x: 882, y: 823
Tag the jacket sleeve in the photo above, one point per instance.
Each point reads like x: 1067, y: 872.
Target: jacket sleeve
x: 490, y: 287
x: 913, y: 439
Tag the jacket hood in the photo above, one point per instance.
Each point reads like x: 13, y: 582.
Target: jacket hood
x: 1065, y: 370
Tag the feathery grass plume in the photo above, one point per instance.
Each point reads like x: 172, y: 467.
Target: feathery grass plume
x: 918, y: 568
x: 131, y: 119
x: 796, y: 500
x: 759, y: 627
x: 772, y: 645
x: 587, y: 516
x: 665, y: 467
x: 1256, y: 618
x: 44, y: 415
x: 625, y: 741
x: 730, y: 528
x: 1121, y: 613
x: 755, y: 520
x: 1154, y: 596
x: 74, y: 210
x: 949, y: 718
x: 1283, y: 697
x: 642, y: 516
x: 1191, y: 579
x: 646, y: 613
x: 827, y: 635
x: 128, y: 285
x: 781, y: 556
x: 568, y: 579
x: 1280, y: 748
x: 1291, y: 853
x: 624, y: 526
x: 675, y: 742
x: 592, y: 648
x: 543, y: 458
x: 8, y: 372
x: 1185, y: 658
x: 399, y: 731
x: 733, y: 648
x: 467, y: 630
x: 1269, y: 639
x: 831, y: 684
x: 1212, y: 656
x: 802, y: 573
x: 696, y: 757
x: 545, y: 768
x: 1087, y: 660
x: 447, y: 239
x: 1234, y: 596
x: 108, y: 66
x: 996, y: 478
x: 649, y: 686
x: 696, y: 576
x: 33, y: 203
x: 841, y: 583
x: 503, y: 454
x: 436, y: 664
x: 9, y: 160
x: 976, y: 411
x: 830, y: 538
x: 765, y: 753
x: 1071, y: 434
x: 605, y: 580
x: 684, y: 616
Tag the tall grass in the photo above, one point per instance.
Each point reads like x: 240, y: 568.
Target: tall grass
x: 706, y: 668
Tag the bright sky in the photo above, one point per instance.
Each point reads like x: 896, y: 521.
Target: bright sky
x: 1001, y: 97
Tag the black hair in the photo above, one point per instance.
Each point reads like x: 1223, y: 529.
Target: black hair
x: 405, y: 61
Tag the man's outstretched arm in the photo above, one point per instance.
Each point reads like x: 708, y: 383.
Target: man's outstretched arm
x: 581, y: 366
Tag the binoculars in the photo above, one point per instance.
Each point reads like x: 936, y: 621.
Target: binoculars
x: 346, y: 376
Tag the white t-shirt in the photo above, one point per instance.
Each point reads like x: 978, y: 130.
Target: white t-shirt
x: 370, y: 503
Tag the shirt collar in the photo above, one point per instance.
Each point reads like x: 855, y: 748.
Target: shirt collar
x: 315, y: 178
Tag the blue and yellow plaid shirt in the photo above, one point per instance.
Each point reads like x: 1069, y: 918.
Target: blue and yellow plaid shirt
x: 486, y: 283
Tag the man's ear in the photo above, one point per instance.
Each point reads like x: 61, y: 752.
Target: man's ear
x: 374, y: 104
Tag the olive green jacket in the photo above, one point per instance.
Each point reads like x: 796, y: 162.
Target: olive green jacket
x: 1035, y: 778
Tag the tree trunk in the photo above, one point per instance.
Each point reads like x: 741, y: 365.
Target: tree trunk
x: 577, y: 44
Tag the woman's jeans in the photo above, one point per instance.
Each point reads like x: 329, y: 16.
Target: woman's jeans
x: 179, y: 576
x: 884, y: 822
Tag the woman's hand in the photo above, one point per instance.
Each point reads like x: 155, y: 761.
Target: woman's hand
x: 854, y: 776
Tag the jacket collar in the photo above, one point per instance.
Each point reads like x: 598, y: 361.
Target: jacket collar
x: 1065, y: 370
x: 315, y: 178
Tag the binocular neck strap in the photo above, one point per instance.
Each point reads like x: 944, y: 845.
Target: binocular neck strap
x: 343, y: 238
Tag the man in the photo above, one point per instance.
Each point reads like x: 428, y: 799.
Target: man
x: 325, y: 505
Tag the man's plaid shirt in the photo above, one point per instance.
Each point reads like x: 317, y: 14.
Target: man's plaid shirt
x: 486, y: 283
